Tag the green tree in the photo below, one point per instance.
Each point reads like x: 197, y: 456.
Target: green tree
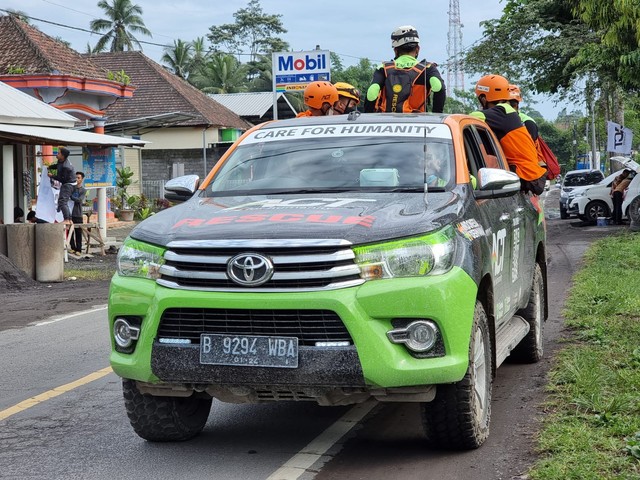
x: 463, y: 102
x: 123, y: 19
x: 221, y: 73
x: 260, y: 73
x: 358, y: 75
x: 179, y: 58
x: 253, y: 30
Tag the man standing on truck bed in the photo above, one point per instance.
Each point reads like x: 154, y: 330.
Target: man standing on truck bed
x: 404, y: 84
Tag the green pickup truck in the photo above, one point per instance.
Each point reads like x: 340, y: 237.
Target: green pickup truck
x: 334, y: 260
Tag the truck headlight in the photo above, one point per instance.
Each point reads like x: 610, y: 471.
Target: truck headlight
x: 431, y: 254
x: 138, y: 259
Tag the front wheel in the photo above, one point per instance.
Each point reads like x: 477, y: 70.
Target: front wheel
x: 595, y: 209
x: 458, y: 418
x: 165, y: 419
x: 531, y: 348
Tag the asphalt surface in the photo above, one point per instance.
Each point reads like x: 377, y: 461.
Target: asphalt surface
x: 73, y: 427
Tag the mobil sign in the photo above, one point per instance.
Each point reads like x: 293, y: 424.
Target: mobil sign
x: 295, y: 70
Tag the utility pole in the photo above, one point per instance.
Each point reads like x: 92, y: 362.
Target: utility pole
x: 594, y: 149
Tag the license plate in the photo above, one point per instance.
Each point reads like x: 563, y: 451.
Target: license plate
x: 249, y: 350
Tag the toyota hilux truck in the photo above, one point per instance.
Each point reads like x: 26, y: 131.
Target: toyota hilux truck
x: 336, y: 260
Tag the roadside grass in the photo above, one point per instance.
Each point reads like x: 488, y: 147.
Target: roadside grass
x: 92, y: 274
x: 591, y: 429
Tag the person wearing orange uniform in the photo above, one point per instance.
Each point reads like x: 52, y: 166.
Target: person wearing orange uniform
x: 319, y: 97
x: 493, y: 94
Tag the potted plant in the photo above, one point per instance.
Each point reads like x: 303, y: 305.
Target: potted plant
x: 127, y: 202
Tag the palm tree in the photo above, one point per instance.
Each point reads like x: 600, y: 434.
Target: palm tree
x: 123, y: 19
x: 179, y: 58
x: 221, y: 73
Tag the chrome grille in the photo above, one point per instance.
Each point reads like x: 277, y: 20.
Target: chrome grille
x: 309, y: 326
x: 298, y: 265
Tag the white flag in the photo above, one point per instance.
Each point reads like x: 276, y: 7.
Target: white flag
x: 618, y: 138
x: 47, y: 202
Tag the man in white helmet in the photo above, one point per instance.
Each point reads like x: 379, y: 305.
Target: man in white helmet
x: 404, y: 84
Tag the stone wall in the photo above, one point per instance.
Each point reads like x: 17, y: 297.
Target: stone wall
x: 158, y: 164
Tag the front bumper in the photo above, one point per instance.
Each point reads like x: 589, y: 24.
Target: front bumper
x: 367, y: 312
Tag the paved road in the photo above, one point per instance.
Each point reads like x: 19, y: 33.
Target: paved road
x: 75, y: 425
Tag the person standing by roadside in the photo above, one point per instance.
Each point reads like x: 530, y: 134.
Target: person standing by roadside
x: 77, y: 197
x: 66, y: 175
x: 619, y: 185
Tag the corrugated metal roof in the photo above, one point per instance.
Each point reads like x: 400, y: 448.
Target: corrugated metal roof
x: 159, y: 91
x: 18, y: 108
x: 35, y: 135
x: 249, y: 104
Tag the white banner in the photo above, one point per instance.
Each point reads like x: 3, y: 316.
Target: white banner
x: 47, y: 202
x: 618, y: 138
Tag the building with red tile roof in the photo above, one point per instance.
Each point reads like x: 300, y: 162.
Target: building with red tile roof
x: 187, y: 129
x: 49, y: 70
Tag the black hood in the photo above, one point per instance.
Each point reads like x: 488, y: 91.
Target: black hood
x: 355, y: 217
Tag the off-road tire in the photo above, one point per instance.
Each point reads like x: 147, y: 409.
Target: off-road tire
x: 531, y: 348
x: 165, y: 419
x: 458, y: 418
x: 563, y: 214
x: 595, y: 209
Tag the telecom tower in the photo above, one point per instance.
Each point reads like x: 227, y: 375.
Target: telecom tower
x: 455, y: 74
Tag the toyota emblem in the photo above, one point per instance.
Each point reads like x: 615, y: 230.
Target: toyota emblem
x: 250, y: 269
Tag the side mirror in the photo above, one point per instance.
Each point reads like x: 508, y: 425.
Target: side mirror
x: 181, y: 189
x: 496, y: 183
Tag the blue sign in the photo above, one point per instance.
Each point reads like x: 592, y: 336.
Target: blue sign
x: 99, y: 166
x: 295, y: 70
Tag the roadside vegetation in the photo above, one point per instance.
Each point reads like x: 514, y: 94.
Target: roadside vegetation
x: 591, y: 429
x: 94, y: 274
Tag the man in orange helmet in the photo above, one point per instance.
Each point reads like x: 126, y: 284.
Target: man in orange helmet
x: 529, y: 123
x: 494, y: 95
x: 404, y: 84
x: 515, y: 97
x: 319, y: 97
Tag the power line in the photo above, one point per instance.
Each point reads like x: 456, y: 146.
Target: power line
x: 80, y: 29
x: 87, y: 14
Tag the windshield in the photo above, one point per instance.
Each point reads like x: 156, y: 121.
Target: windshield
x: 581, y: 179
x: 336, y: 164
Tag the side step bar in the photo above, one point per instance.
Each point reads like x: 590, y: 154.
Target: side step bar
x: 508, y: 336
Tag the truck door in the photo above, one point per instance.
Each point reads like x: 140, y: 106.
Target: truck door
x: 498, y: 219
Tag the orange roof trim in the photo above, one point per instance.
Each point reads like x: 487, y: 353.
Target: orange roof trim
x: 93, y: 85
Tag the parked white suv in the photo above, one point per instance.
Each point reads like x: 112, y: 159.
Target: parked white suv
x: 595, y: 201
x: 574, y: 181
x: 632, y: 193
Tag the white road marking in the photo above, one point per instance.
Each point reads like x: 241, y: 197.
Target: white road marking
x: 301, y: 461
x: 71, y: 315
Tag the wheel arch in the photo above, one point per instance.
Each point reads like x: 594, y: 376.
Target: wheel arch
x: 486, y: 297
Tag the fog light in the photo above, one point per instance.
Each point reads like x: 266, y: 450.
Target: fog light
x: 418, y: 336
x: 123, y: 333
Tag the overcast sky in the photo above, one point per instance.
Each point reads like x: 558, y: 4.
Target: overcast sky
x: 353, y: 29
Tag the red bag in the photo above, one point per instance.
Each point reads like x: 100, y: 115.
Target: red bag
x: 544, y: 152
